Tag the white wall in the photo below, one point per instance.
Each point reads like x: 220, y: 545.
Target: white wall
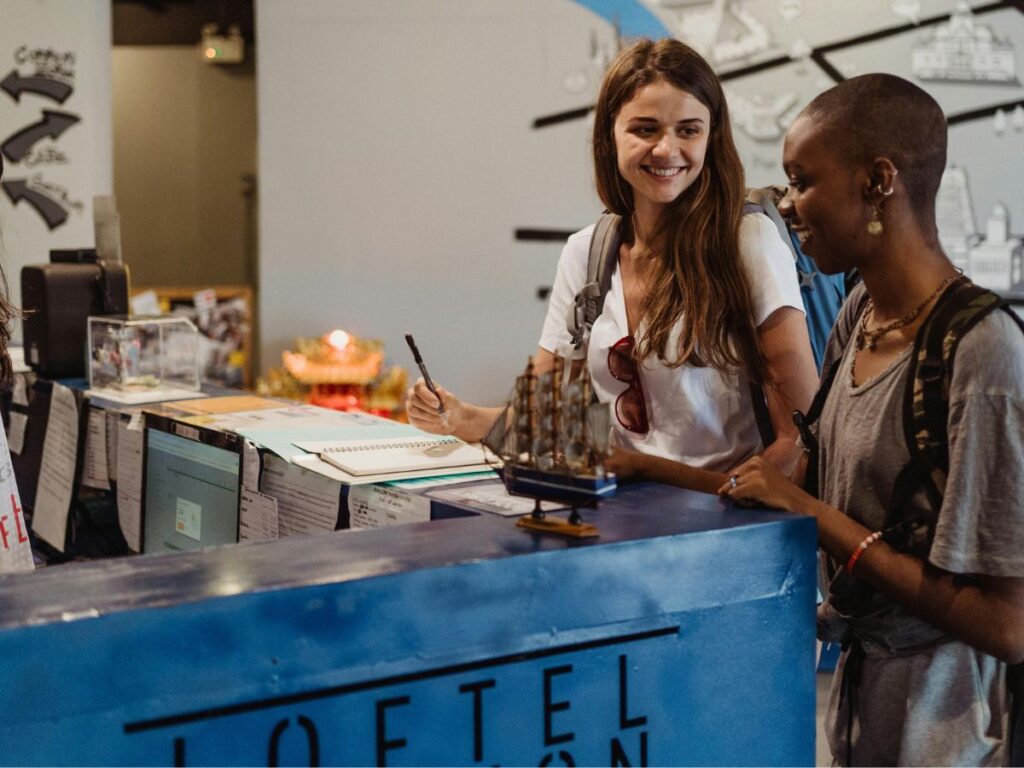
x: 397, y: 154
x: 76, y: 165
x: 396, y: 159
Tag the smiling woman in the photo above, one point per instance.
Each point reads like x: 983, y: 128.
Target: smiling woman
x: 702, y: 301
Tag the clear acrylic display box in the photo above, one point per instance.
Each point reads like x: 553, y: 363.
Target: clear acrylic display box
x: 143, y: 358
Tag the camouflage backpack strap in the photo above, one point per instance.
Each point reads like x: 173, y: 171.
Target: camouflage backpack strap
x: 926, y: 409
x: 588, y: 303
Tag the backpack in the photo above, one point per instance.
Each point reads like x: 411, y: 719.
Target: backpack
x: 822, y: 295
x: 925, y: 416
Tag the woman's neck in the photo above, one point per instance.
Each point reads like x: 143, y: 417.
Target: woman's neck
x: 899, y: 281
x: 644, y: 222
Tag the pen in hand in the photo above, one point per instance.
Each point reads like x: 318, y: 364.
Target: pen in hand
x: 423, y: 370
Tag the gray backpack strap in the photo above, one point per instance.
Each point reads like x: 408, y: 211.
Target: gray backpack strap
x: 588, y: 303
x: 764, y: 201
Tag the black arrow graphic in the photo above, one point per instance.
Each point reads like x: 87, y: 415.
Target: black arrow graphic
x: 52, y: 212
x: 53, y: 125
x: 15, y: 84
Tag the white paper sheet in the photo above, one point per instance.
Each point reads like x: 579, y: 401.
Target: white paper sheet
x: 15, y: 552
x: 314, y: 463
x: 129, y: 480
x: 306, y: 502
x: 94, y: 471
x: 112, y: 419
x: 251, y: 467
x: 57, y: 469
x: 490, y: 497
x: 259, y: 516
x: 377, y: 506
x: 18, y: 421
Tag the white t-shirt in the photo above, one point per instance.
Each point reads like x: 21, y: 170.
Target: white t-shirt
x: 699, y: 416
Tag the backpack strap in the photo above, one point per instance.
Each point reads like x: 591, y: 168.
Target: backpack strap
x: 926, y: 401
x: 766, y: 201
x: 760, y: 201
x: 804, y: 421
x: 588, y: 303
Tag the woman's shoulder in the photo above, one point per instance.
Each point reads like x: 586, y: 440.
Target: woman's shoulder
x: 990, y: 357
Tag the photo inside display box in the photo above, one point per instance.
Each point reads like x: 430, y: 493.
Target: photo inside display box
x: 222, y: 333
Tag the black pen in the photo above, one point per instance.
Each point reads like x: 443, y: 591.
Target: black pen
x: 423, y: 370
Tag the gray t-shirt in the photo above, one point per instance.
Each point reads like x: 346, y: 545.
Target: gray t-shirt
x: 924, y: 699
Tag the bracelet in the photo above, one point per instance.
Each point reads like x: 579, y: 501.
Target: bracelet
x: 855, y: 556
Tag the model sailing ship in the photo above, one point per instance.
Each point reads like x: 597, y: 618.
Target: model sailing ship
x: 552, y: 444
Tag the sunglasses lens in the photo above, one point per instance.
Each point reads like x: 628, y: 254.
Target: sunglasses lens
x: 631, y: 411
x: 621, y: 363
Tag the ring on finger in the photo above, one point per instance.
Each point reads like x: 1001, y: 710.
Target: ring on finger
x: 734, y: 480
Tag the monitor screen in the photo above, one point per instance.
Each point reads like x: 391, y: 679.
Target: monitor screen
x: 192, y: 480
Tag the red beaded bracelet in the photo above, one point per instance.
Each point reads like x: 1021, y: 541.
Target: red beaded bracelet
x: 855, y: 556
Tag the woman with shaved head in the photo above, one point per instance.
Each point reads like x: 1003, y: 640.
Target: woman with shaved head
x: 930, y: 610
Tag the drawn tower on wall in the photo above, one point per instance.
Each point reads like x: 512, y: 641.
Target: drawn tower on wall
x: 998, y: 261
x: 954, y: 213
x: 964, y: 51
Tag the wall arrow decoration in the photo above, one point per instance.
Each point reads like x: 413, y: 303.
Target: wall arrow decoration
x: 53, y: 125
x: 14, y: 84
x: 50, y: 210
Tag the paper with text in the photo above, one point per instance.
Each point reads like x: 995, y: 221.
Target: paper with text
x: 112, y: 418
x: 57, y: 469
x: 490, y: 497
x: 377, y: 506
x: 258, y: 516
x: 18, y: 421
x: 306, y: 502
x: 15, y: 551
x: 129, y: 481
x: 250, y: 466
x: 95, y: 473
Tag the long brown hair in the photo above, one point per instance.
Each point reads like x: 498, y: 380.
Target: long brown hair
x: 8, y: 312
x: 700, y: 278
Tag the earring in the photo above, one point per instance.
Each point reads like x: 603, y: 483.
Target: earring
x: 875, y: 225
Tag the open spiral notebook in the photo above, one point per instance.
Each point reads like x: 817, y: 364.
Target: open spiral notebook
x: 398, y: 454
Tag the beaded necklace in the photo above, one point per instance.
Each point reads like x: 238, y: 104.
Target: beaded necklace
x: 868, y: 338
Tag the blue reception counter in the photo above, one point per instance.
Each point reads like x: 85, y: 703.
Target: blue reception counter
x: 683, y: 635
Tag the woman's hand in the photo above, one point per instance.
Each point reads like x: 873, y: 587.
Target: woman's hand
x: 626, y: 464
x: 787, y: 457
x: 421, y: 406
x: 758, y: 482
x: 464, y: 420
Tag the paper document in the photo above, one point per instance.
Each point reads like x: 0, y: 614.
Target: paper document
x: 57, y: 469
x: 94, y: 471
x: 231, y: 404
x: 306, y: 502
x: 250, y: 466
x: 376, y: 506
x: 15, y: 551
x: 489, y: 497
x: 130, y: 436
x: 18, y: 421
x: 398, y: 454
x: 314, y: 463
x: 112, y: 418
x: 258, y: 516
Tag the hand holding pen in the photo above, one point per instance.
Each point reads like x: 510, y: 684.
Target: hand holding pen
x: 423, y: 370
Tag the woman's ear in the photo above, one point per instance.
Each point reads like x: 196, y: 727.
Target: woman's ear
x: 883, y: 177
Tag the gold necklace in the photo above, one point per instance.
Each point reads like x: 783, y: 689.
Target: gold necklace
x: 868, y: 339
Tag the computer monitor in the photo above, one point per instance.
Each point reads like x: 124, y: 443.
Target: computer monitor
x: 192, y: 478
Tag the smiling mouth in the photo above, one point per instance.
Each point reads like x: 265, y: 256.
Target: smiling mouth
x: 663, y: 173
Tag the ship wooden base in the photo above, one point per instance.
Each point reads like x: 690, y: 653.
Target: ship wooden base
x: 558, y: 526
